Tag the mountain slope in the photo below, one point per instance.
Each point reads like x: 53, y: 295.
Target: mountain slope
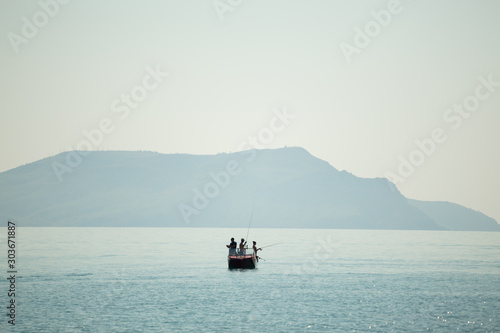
x: 285, y: 187
x: 455, y: 217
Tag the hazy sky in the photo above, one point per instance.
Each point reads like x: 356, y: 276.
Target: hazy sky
x: 363, y: 79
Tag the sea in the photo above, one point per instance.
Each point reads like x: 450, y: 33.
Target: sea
x: 307, y: 280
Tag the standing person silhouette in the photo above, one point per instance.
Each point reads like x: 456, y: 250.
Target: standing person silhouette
x: 255, y: 249
x: 232, y: 247
x: 242, y: 246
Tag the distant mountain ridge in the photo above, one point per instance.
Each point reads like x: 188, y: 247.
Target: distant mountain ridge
x: 285, y: 188
x: 455, y: 217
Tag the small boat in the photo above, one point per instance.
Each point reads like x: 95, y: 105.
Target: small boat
x: 245, y: 260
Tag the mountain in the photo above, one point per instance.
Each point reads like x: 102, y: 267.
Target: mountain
x: 280, y: 188
x: 456, y: 217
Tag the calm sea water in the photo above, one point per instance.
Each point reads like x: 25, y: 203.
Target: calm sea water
x: 176, y: 280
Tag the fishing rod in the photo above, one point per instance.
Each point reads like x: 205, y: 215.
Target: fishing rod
x: 270, y: 245
x: 248, y: 231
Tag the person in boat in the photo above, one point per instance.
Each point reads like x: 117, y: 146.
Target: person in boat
x: 255, y: 249
x: 232, y: 247
x: 242, y: 247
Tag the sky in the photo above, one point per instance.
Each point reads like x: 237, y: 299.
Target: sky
x: 408, y: 90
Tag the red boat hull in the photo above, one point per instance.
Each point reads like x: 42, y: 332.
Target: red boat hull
x: 242, y: 262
